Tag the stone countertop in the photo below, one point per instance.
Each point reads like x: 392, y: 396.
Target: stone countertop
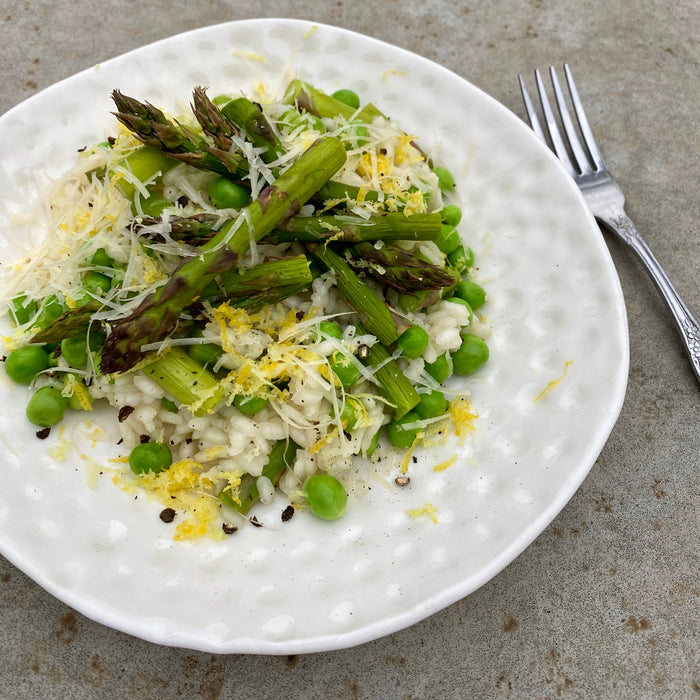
x: 604, y: 604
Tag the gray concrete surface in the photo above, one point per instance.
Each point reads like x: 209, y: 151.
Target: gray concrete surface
x: 605, y: 602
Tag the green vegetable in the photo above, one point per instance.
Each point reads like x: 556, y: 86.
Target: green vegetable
x: 441, y: 369
x: 445, y: 179
x: 350, y: 98
x: 46, y: 407
x: 74, y: 351
x: 101, y: 259
x: 449, y: 239
x: 23, y: 364
x: 345, y: 368
x: 153, y: 457
x: 248, y: 404
x: 399, y: 435
x: 280, y: 458
x: 451, y: 214
x: 146, y: 164
x: 353, y: 229
x: 249, y: 118
x: 186, y: 380
x: 471, y: 292
x: 153, y: 205
x: 225, y: 194
x: 160, y: 312
x: 470, y: 356
x: 394, y: 386
x: 431, y: 405
x: 413, y: 342
x: 414, y: 300
x: 205, y: 354
x: 351, y: 413
x: 97, y: 283
x: 22, y: 309
x: 331, y: 329
x: 373, y: 312
x: 51, y: 308
x: 310, y: 99
x: 326, y: 496
x: 461, y: 259
x: 167, y: 138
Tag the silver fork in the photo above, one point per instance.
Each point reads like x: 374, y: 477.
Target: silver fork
x: 602, y: 193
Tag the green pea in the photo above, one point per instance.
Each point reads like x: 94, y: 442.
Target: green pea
x: 344, y: 368
x: 358, y: 136
x: 331, y: 329
x: 74, y: 351
x: 449, y: 239
x: 431, y: 405
x: 348, y: 97
x: 23, y: 364
x: 461, y: 259
x: 145, y: 163
x: 151, y: 457
x: 225, y: 194
x: 399, y: 435
x: 249, y: 404
x: 326, y: 496
x: 51, y: 309
x: 153, y: 205
x: 46, y: 407
x: 445, y: 179
x: 458, y: 300
x: 413, y: 342
x: 97, y: 283
x: 470, y: 356
x: 351, y: 413
x: 412, y: 302
x: 441, y: 369
x: 22, y: 309
x: 101, y: 259
x: 471, y: 292
x: 451, y: 214
x: 73, y: 401
x: 205, y: 353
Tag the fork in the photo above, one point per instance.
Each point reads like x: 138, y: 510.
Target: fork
x: 602, y: 194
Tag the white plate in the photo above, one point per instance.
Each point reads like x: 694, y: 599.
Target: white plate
x: 307, y: 585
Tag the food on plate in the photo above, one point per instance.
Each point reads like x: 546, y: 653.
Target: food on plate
x: 260, y: 289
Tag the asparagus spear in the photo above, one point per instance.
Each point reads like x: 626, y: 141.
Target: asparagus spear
x: 395, y: 387
x: 373, y: 312
x: 264, y: 277
x: 153, y: 128
x: 402, y: 270
x: 186, y: 380
x: 280, y: 458
x: 68, y: 324
x: 159, y: 313
x: 350, y: 229
x: 249, y: 117
x: 198, y: 228
x: 311, y: 99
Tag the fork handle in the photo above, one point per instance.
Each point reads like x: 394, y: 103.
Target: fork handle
x: 688, y: 326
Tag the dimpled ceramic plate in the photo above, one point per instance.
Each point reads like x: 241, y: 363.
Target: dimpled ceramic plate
x: 307, y: 585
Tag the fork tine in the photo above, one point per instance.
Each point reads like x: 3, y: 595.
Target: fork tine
x: 579, y: 153
x: 552, y: 128
x: 531, y: 113
x: 591, y: 145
